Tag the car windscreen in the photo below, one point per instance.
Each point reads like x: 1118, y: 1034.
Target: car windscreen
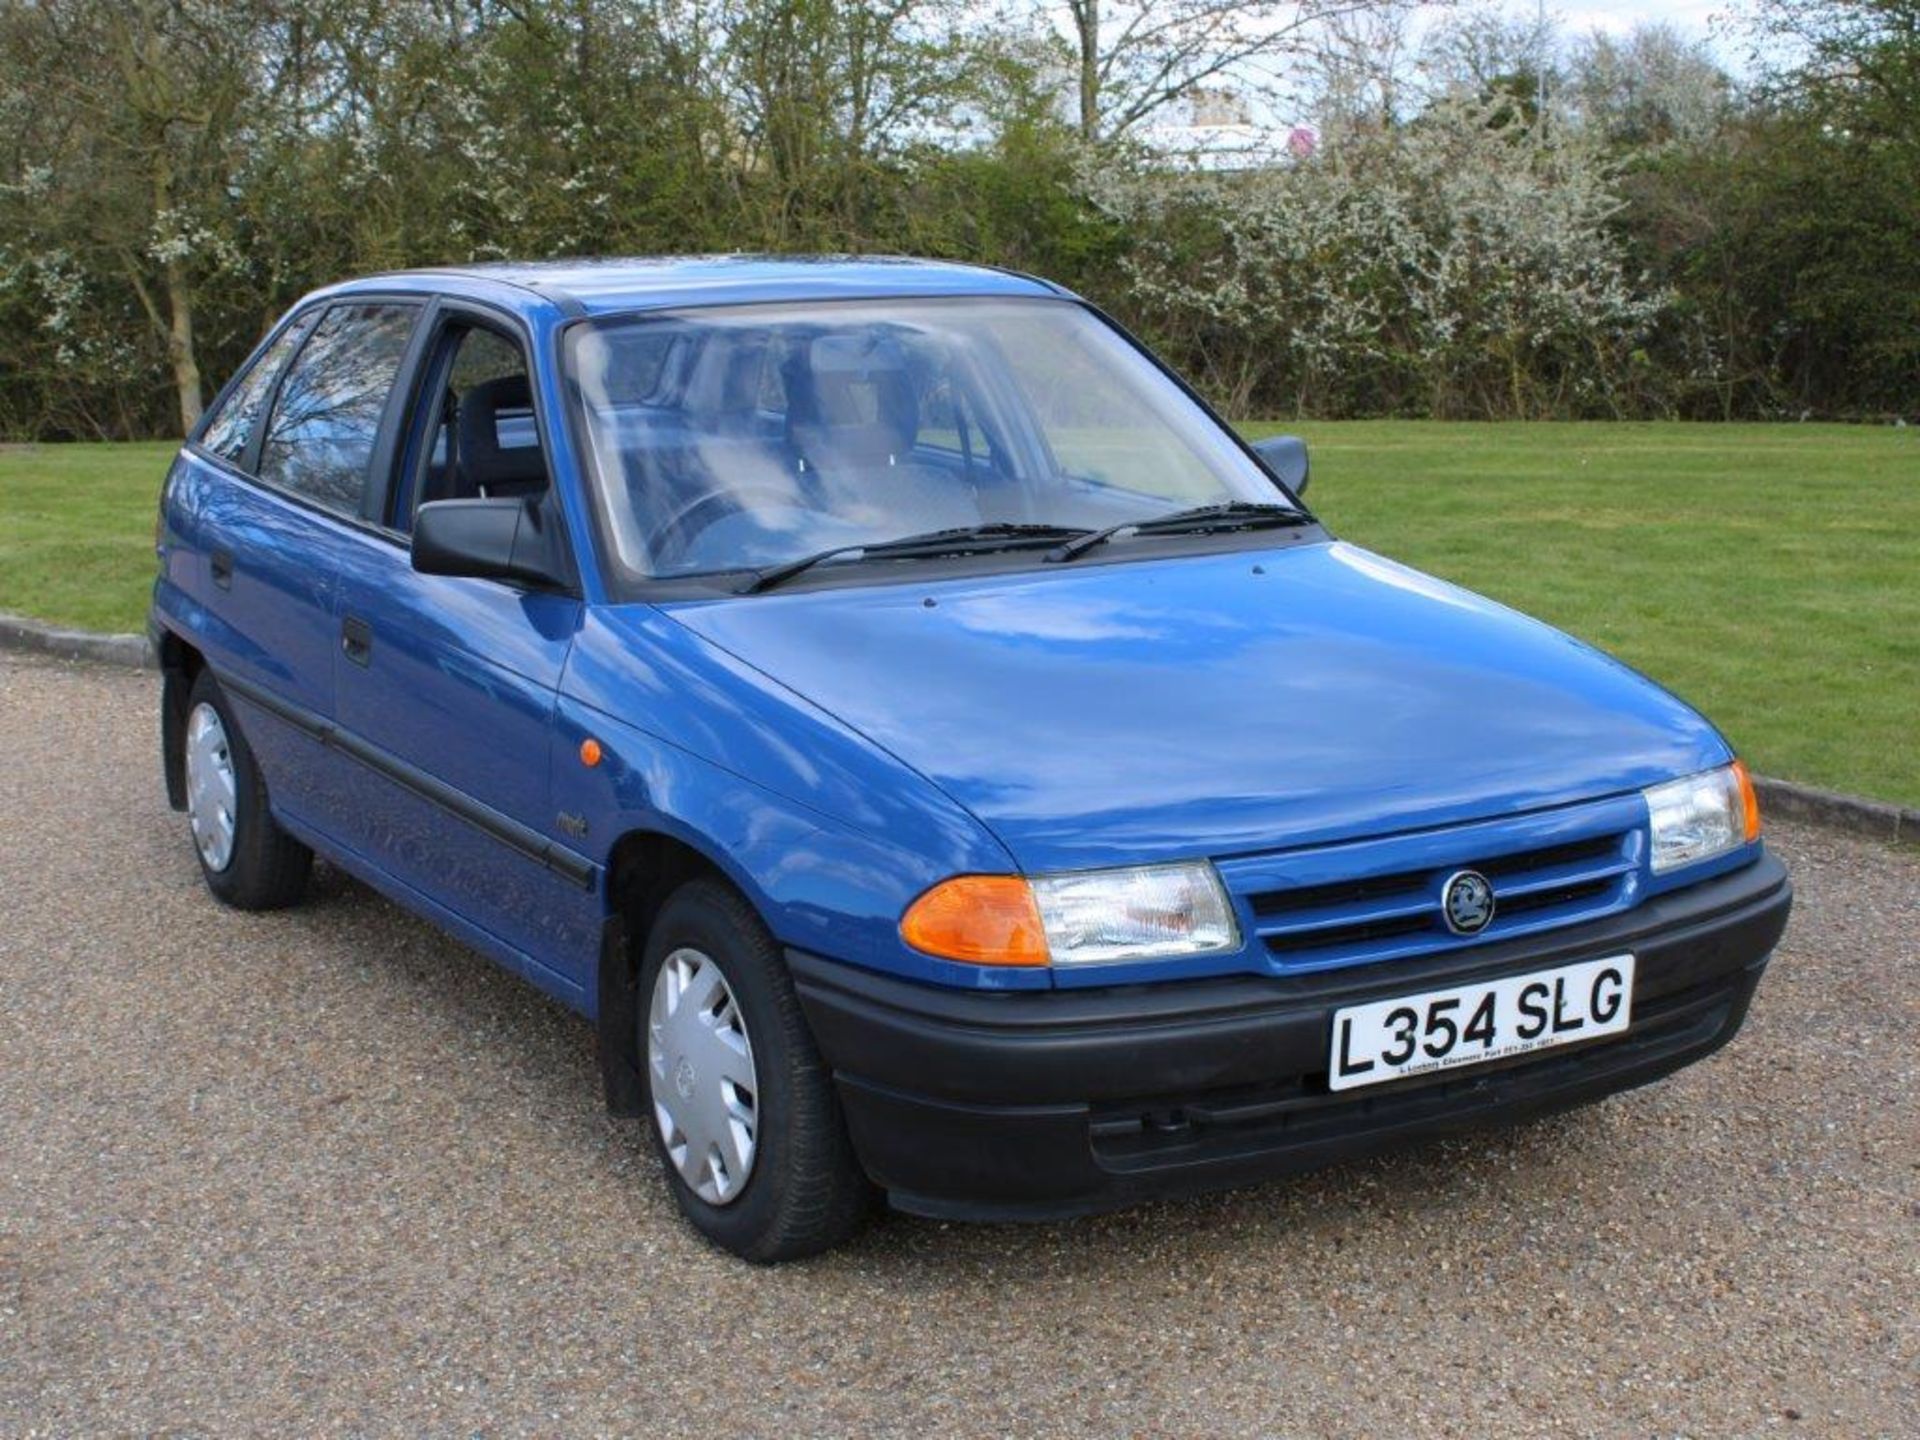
x: 741, y: 437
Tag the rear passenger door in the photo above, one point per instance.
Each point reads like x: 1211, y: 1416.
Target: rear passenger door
x: 277, y: 479
x: 452, y: 680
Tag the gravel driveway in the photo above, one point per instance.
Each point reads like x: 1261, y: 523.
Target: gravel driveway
x: 326, y: 1172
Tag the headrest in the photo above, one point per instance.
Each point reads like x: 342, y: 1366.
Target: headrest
x: 490, y: 467
x: 850, y: 401
x: 723, y: 390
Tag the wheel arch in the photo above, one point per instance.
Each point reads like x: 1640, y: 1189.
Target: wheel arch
x: 644, y: 867
x: 180, y: 666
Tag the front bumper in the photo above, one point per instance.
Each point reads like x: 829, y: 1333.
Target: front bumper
x: 1041, y: 1104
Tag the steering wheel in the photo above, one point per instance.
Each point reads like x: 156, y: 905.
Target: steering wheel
x: 703, y: 510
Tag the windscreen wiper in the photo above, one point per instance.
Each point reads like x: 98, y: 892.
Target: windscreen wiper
x: 960, y: 540
x: 1199, y: 520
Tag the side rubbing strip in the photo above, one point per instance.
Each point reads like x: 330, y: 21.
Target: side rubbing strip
x: 509, y: 832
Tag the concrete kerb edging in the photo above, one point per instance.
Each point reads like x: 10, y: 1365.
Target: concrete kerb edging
x: 1877, y: 819
x: 1783, y: 798
x: 37, y: 637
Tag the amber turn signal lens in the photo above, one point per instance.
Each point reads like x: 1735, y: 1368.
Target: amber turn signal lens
x: 589, y: 752
x: 1750, y: 800
x: 980, y: 919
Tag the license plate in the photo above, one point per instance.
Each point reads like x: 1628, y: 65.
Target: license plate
x: 1472, y: 1024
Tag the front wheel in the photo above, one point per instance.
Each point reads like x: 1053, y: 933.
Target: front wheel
x: 745, y: 1119
x: 248, y: 861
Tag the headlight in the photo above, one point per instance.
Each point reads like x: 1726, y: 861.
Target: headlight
x: 1143, y: 914
x: 1702, y: 816
x: 1093, y: 917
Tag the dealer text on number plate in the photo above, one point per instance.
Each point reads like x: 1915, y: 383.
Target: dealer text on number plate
x: 1471, y: 1024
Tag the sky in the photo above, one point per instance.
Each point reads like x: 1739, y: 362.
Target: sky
x: 1698, y: 19
x: 1715, y: 23
x: 1623, y: 15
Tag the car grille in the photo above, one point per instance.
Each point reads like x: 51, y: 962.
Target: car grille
x: 1381, y: 900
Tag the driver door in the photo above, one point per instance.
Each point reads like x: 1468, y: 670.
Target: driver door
x: 452, y: 680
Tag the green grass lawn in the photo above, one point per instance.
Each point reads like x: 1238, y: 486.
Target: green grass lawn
x: 76, y: 531
x: 1769, y: 574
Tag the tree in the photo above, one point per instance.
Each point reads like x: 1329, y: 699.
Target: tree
x: 823, y: 95
x: 1652, y: 87
x: 1450, y: 267
x: 1363, y: 76
x: 1132, y: 58
x: 135, y: 112
x: 173, y: 173
x: 1855, y: 61
x: 1501, y: 60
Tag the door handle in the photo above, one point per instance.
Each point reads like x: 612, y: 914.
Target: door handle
x: 356, y: 639
x: 221, y: 563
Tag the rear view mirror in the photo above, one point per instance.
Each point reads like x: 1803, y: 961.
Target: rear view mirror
x: 499, y: 538
x: 1285, y: 457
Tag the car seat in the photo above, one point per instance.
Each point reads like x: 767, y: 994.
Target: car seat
x: 487, y: 467
x: 853, y: 417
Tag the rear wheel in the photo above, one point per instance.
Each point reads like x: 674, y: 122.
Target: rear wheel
x: 744, y: 1115
x: 248, y: 861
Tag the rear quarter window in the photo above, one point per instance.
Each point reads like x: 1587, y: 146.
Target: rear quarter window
x: 229, y: 430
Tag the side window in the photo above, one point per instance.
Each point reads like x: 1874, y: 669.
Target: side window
x: 484, y: 441
x: 230, y: 428
x: 947, y: 419
x: 948, y: 407
x: 484, y: 356
x: 327, y: 418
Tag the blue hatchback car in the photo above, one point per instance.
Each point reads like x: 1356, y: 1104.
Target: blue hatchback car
x: 935, y: 753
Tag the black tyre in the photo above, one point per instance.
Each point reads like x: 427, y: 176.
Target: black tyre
x: 742, y: 1109
x: 249, y: 862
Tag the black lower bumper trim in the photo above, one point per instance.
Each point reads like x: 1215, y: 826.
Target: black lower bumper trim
x: 1052, y: 1103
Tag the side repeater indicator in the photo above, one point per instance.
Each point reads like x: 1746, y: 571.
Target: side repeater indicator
x: 589, y: 752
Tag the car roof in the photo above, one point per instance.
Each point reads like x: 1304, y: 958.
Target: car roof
x: 609, y: 286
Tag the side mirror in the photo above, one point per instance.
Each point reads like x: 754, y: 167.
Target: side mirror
x: 1285, y: 457
x: 505, y: 538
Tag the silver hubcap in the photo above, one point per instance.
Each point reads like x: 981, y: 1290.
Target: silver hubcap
x: 706, y: 1098
x: 210, y: 788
